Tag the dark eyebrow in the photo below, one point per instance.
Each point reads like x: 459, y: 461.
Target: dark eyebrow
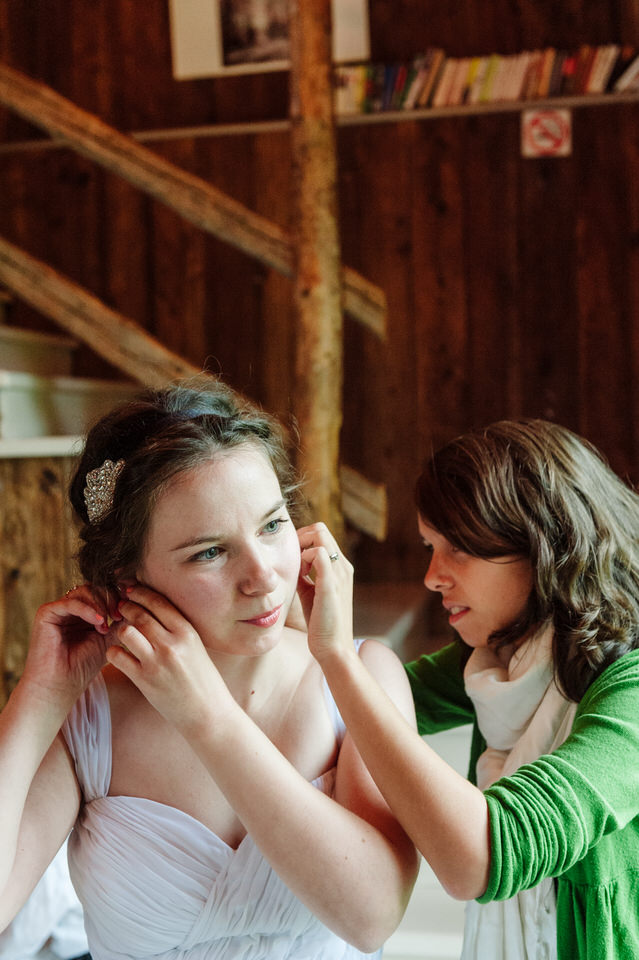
x: 213, y: 538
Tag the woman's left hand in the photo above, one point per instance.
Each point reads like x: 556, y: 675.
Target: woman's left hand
x: 326, y: 591
x: 162, y: 654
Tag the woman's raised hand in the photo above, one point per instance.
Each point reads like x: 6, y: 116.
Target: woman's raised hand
x: 326, y: 591
x: 67, y: 646
x: 162, y: 654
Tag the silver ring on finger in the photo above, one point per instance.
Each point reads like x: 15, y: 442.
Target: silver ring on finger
x: 333, y: 557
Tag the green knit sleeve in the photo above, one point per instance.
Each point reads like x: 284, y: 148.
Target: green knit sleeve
x: 547, y: 816
x: 437, y: 684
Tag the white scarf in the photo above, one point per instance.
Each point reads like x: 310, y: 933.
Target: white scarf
x: 521, y: 715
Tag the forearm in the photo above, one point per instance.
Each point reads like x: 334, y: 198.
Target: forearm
x: 445, y: 815
x: 355, y: 876
x: 28, y: 726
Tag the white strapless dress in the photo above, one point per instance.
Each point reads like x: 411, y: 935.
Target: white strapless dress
x: 156, y: 883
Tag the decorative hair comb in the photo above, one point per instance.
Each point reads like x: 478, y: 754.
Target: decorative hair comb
x: 100, y: 487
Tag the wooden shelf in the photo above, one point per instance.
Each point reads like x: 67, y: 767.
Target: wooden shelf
x: 350, y: 120
x: 501, y: 106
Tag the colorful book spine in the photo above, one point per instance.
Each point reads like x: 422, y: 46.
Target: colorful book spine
x: 433, y: 80
x: 629, y: 79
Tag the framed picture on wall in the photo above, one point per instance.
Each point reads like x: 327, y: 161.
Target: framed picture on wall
x: 219, y: 37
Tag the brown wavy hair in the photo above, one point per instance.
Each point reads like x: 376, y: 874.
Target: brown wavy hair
x: 535, y: 489
x: 160, y: 434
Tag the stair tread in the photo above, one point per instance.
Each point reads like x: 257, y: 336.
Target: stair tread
x: 37, y: 405
x: 33, y: 351
x: 24, y: 378
x: 22, y: 448
x: 21, y: 334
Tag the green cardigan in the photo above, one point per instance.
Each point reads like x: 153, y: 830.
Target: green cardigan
x: 573, y: 814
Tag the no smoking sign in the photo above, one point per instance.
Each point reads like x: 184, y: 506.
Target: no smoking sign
x: 546, y: 133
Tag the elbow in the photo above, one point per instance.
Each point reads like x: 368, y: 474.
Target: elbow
x: 368, y: 931
x: 464, y: 879
x: 366, y: 944
x: 373, y: 934
x: 462, y: 888
x: 466, y: 884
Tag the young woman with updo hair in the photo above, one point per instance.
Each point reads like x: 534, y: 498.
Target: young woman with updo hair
x: 172, y: 720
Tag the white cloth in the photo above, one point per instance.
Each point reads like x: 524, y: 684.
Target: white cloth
x: 154, y: 882
x: 522, y: 714
x: 50, y: 924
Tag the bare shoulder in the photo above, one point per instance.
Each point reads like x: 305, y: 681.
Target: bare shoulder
x: 384, y: 664
x: 376, y: 655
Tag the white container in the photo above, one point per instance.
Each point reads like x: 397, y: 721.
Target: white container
x: 33, y: 352
x: 36, y: 406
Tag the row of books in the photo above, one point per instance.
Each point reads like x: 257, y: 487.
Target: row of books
x: 435, y: 80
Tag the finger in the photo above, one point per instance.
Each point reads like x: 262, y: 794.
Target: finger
x: 123, y: 660
x: 60, y: 610
x: 131, y: 639
x: 319, y: 559
x: 306, y: 594
x: 317, y: 534
x: 83, y: 593
x: 110, y: 598
x: 103, y: 600
x: 155, y: 604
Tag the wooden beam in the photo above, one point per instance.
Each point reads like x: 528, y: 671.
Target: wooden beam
x: 318, y: 360
x: 126, y: 346
x: 119, y: 340
x: 364, y: 503
x: 193, y: 198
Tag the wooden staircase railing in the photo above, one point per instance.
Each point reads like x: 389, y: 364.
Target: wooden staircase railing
x: 123, y: 342
x: 119, y: 340
x: 194, y: 199
x: 129, y: 348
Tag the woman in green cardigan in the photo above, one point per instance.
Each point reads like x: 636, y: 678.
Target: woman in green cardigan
x: 533, y: 544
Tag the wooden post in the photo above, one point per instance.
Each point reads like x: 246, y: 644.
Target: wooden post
x: 318, y: 288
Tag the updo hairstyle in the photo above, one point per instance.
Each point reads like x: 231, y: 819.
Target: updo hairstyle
x: 159, y: 435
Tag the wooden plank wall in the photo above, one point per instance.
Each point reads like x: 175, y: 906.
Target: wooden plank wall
x: 513, y: 284
x: 38, y: 548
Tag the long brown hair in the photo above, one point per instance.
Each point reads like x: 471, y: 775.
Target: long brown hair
x: 535, y: 489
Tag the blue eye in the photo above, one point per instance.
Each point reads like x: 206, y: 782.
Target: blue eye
x: 211, y: 553
x: 274, y: 525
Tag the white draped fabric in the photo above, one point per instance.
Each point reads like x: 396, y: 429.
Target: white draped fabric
x: 156, y: 883
x: 522, y: 715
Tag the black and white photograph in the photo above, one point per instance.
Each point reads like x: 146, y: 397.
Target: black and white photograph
x: 220, y: 37
x: 254, y: 31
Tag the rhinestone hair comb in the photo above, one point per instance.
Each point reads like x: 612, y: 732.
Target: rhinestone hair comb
x: 100, y: 488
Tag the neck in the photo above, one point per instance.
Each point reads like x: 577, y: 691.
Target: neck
x: 251, y: 680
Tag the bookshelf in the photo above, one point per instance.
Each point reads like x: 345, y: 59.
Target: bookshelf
x: 435, y: 80
x: 513, y: 93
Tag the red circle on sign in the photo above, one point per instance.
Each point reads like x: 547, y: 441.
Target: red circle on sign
x: 546, y: 132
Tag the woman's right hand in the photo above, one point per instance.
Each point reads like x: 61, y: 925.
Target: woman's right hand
x: 67, y: 646
x: 325, y: 590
